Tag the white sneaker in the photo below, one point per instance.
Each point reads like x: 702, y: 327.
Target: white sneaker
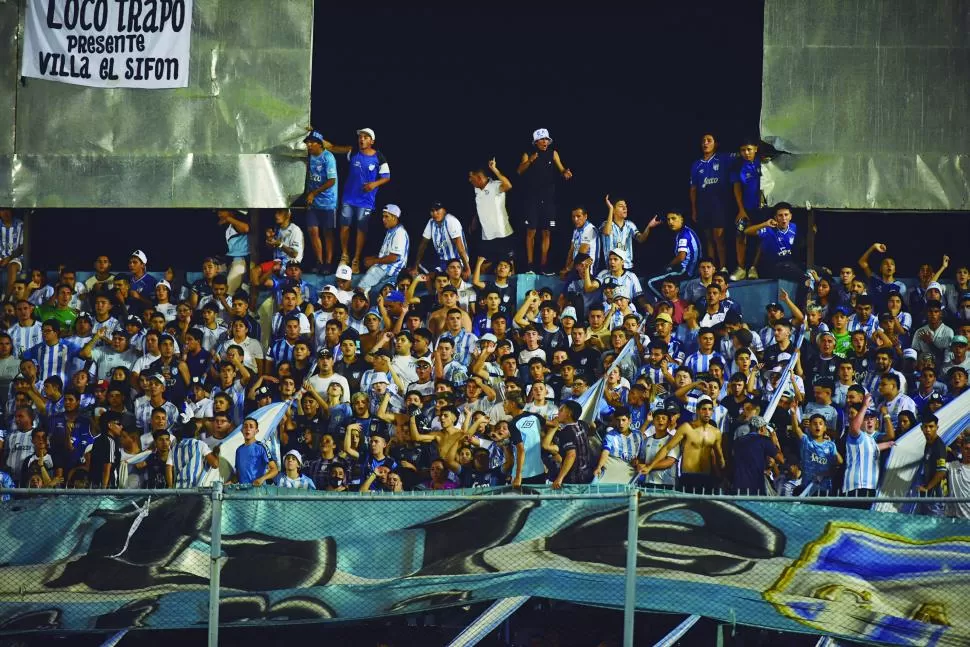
x: 752, y: 272
x: 738, y: 274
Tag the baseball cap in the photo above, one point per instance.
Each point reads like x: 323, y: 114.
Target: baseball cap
x: 264, y: 392
x: 372, y: 312
x: 732, y: 317
x: 379, y: 377
x: 393, y: 209
x: 360, y: 292
x: 324, y: 352
x: 775, y: 305
x: 449, y: 288
x: 395, y: 296
x: 934, y: 286
x: 488, y: 337
x: 936, y: 397
x: 934, y: 303
x: 140, y: 255
x: 541, y: 133
x: 621, y: 294
x: 909, y: 353
x: 825, y: 333
x: 422, y: 360
x: 84, y: 315
x: 437, y: 204
x: 663, y: 316
x: 783, y: 357
x: 344, y: 272
x: 165, y: 283
x: 158, y: 377
x: 295, y: 454
x: 313, y: 136
x: 621, y: 253
x: 367, y: 131
x: 704, y: 399
x: 329, y: 289
x: 844, y: 310
x: 757, y: 422
x: 569, y: 312
x: 959, y: 339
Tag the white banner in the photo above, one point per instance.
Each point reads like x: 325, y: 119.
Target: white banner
x: 109, y: 43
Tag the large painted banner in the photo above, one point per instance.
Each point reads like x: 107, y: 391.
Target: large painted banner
x: 76, y: 563
x: 109, y: 43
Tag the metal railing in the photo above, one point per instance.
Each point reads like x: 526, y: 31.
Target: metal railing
x: 83, y: 560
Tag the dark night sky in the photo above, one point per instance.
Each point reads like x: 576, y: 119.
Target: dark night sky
x: 626, y: 91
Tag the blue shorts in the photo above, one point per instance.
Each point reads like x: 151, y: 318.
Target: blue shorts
x: 321, y: 218
x: 348, y: 214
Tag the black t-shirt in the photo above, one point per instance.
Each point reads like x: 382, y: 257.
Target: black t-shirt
x: 105, y: 450
x: 155, y: 473
x: 751, y: 453
x: 353, y: 372
x: 506, y: 297
x: 586, y: 362
x: 575, y: 436
x: 934, y: 460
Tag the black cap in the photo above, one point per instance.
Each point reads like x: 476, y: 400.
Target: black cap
x: 324, y: 352
x: 773, y: 304
x: 437, y: 205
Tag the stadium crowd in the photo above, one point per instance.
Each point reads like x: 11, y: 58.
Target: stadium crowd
x: 421, y: 368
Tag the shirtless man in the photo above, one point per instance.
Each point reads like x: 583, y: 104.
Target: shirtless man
x: 702, y: 446
x: 449, y: 301
x: 445, y: 437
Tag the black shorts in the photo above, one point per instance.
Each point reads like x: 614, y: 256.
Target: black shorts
x: 539, y: 213
x: 498, y: 249
x: 712, y: 217
x: 699, y: 483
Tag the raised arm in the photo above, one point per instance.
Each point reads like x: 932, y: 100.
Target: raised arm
x: 864, y: 259
x: 608, y: 223
x: 506, y: 185
x: 666, y: 449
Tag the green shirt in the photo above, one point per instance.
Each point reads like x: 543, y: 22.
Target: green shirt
x: 65, y: 316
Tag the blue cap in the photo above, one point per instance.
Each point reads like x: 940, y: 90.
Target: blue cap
x: 314, y: 136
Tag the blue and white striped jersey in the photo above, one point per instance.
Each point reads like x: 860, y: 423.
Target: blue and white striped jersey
x: 586, y: 235
x: 622, y: 237
x: 25, y: 337
x: 396, y: 241
x: 624, y: 447
x: 281, y: 351
x: 869, y: 326
x: 861, y: 462
x: 442, y: 236
x: 238, y: 395
x: 11, y: 237
x: 53, y: 360
x: 701, y: 363
x: 189, y: 462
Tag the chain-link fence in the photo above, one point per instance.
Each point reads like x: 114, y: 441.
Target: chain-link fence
x: 102, y: 561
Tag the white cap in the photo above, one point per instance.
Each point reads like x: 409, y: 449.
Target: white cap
x: 393, y: 209
x: 619, y: 251
x: 488, y: 337
x: 329, y: 289
x: 295, y: 454
x: 936, y: 285
x: 542, y: 133
x: 380, y: 377
x: 344, y: 272
x: 140, y: 255
x: 367, y: 131
x: 568, y: 311
x: 165, y: 283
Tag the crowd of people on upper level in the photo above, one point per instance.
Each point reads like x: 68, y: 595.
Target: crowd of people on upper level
x: 429, y: 367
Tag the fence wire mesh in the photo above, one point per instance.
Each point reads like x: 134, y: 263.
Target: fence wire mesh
x: 102, y: 561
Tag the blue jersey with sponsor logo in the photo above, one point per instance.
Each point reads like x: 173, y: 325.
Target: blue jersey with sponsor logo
x: 321, y: 168
x: 363, y: 169
x: 778, y: 244
x: 711, y: 178
x: 748, y: 175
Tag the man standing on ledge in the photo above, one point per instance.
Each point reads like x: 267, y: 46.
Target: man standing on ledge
x: 497, y: 244
x: 393, y: 255
x: 702, y: 448
x: 541, y: 168
x: 321, y: 199
x: 368, y: 171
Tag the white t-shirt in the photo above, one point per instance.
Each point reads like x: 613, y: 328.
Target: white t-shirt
x: 321, y: 384
x: 958, y: 478
x: 492, y: 214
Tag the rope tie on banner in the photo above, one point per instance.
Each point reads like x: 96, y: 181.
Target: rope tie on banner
x: 142, y: 513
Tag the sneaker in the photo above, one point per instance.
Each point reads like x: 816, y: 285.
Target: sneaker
x: 355, y: 266
x: 752, y: 272
x: 738, y: 274
x: 545, y: 271
x: 723, y: 269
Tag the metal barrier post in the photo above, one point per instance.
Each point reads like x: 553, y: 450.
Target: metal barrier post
x: 215, y: 554
x: 630, y: 593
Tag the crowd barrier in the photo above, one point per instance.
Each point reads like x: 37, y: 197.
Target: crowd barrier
x: 167, y: 559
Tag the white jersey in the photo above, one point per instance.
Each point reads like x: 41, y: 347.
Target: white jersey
x: 958, y: 479
x: 492, y: 214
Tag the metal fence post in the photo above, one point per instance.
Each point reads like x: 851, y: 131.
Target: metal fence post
x: 215, y: 554
x: 630, y: 593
